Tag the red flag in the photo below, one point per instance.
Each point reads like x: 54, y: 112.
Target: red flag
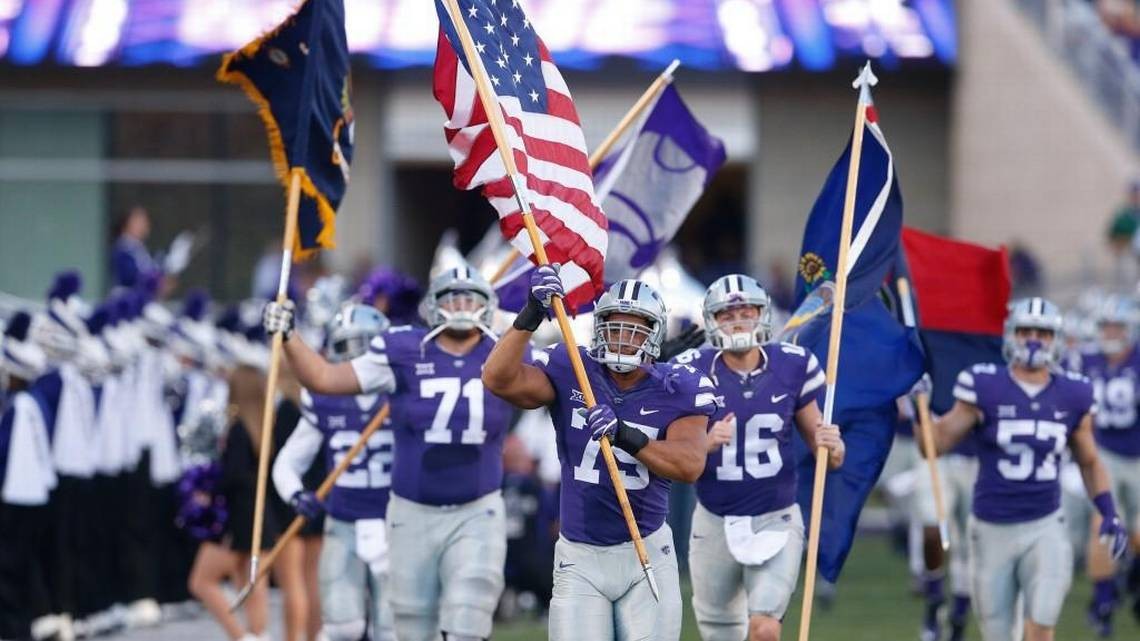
x: 960, y: 287
x: 544, y: 133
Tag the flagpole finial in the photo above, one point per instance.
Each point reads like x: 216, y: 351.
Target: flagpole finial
x: 671, y: 69
x: 866, y: 79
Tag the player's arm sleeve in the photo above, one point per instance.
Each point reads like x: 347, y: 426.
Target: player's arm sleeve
x: 965, y: 388
x: 372, y: 369
x: 295, y: 457
x: 814, y: 379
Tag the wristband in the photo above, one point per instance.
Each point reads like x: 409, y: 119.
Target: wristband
x: 629, y: 438
x: 531, y: 316
x: 1105, y: 506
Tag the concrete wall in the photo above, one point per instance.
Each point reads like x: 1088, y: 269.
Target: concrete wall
x: 804, y: 125
x: 1033, y: 159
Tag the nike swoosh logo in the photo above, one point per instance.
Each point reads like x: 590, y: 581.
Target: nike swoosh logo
x: 777, y: 399
x: 1059, y: 415
x: 562, y: 565
x: 645, y: 412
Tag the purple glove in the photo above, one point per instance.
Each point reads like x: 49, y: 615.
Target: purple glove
x: 307, y: 505
x: 546, y: 284
x: 603, y: 422
x: 1112, y: 532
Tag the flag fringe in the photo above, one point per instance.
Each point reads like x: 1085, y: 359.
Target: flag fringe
x: 327, y: 238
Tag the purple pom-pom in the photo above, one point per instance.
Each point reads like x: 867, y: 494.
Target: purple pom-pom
x: 65, y: 285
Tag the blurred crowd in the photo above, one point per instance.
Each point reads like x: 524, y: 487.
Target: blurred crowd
x: 1122, y: 17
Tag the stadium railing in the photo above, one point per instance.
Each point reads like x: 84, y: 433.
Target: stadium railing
x: 1100, y: 59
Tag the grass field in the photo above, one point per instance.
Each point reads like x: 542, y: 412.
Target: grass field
x: 874, y: 603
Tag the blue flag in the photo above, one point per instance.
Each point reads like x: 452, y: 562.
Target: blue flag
x: 876, y: 225
x: 647, y: 189
x: 880, y: 358
x: 298, y: 76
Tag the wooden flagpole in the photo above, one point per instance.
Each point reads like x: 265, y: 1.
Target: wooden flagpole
x: 322, y: 492
x: 269, y: 409
x: 864, y: 82
x: 926, y: 428
x: 651, y: 94
x: 495, y: 119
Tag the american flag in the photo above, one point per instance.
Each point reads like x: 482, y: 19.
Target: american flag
x: 544, y: 133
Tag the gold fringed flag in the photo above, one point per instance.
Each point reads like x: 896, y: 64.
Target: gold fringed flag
x: 298, y: 76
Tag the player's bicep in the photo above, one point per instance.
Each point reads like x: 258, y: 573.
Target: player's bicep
x: 530, y: 389
x: 689, y: 429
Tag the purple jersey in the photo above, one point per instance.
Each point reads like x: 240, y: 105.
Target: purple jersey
x: 1117, y: 428
x: 362, y: 491
x: 590, y: 512
x: 755, y: 472
x: 1020, y: 439
x: 449, y: 430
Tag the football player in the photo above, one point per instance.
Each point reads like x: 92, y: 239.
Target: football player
x: 445, y: 515
x: 654, y: 414
x: 1024, y: 416
x: 1113, y: 369
x: 747, y: 537
x: 354, y: 557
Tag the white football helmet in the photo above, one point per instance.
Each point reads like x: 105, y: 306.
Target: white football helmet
x: 622, y: 346
x: 1117, y: 310
x: 736, y: 290
x: 351, y: 330
x: 1033, y: 313
x: 460, y: 299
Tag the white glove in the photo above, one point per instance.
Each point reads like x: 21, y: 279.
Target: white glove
x: 278, y: 317
x: 178, y: 256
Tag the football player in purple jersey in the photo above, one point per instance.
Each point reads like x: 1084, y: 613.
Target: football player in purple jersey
x: 1113, y: 369
x: 446, y: 526
x: 655, y: 415
x: 1024, y: 417
x: 747, y: 538
x: 354, y: 558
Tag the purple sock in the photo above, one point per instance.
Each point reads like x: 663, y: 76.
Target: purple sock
x: 960, y: 609
x: 1104, y: 593
x: 933, y: 587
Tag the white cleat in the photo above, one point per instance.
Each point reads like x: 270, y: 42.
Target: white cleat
x: 143, y: 613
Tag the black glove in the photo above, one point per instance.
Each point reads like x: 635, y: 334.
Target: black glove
x: 688, y: 339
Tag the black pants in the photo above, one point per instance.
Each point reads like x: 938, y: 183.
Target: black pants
x: 139, y: 538
x: 86, y: 551
x: 176, y: 548
x: 110, y: 508
x: 23, y: 589
x: 65, y: 546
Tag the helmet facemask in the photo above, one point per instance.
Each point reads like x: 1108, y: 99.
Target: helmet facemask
x: 623, y: 344
x: 1033, y: 347
x: 739, y: 327
x: 1114, y: 337
x: 461, y: 310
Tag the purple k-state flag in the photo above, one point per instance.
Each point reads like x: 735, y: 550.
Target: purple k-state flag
x: 646, y: 189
